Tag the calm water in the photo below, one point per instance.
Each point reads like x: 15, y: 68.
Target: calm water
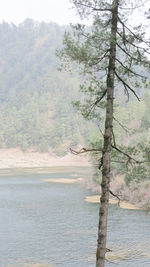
x: 51, y: 223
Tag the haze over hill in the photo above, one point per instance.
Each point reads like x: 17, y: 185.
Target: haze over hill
x: 37, y: 114
x: 35, y: 98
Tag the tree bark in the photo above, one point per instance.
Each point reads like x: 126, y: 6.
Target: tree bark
x: 105, y: 185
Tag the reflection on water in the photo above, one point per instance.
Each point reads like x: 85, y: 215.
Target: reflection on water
x: 50, y: 224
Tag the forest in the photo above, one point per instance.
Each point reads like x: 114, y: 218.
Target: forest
x: 37, y: 111
x: 35, y: 98
x: 82, y: 89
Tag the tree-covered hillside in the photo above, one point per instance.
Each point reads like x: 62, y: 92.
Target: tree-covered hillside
x: 36, y: 105
x: 35, y: 98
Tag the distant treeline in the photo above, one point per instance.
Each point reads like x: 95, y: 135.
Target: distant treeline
x: 35, y: 98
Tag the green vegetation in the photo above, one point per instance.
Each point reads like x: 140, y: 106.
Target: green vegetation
x: 35, y: 99
x: 130, y: 181
x: 113, y: 58
x: 36, y: 103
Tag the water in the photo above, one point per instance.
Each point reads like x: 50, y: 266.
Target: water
x: 51, y: 223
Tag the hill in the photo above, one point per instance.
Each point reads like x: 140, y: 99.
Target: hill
x: 35, y: 98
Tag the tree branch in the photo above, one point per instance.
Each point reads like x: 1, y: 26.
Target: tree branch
x: 96, y: 102
x: 99, y: 99
x: 84, y: 150
x: 129, y: 70
x: 130, y: 56
x: 114, y: 195
x: 126, y: 92
x: 127, y: 155
x: 100, y: 163
x: 133, y: 8
x: 132, y: 44
x: 118, y: 161
x: 133, y: 34
x: 99, y: 59
x: 102, y: 9
x: 100, y: 129
x: 127, y: 86
x: 94, y: 8
x: 113, y: 136
x: 121, y: 125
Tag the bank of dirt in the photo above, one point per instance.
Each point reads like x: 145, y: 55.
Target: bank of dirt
x: 15, y: 158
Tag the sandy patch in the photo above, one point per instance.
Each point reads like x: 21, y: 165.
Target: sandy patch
x: 15, y: 158
x: 62, y: 180
x: 116, y: 258
x: 31, y: 265
x: 123, y: 204
x: 84, y: 171
x: 37, y: 265
x: 93, y: 199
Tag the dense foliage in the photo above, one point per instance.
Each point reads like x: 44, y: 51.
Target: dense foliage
x: 35, y: 98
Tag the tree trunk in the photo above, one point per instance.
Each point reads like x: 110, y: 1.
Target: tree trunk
x: 103, y: 213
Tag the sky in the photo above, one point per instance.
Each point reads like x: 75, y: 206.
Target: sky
x: 59, y: 11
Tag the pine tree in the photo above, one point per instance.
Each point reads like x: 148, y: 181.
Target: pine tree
x: 108, y: 54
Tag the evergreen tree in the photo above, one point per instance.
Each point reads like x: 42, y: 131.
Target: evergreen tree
x: 109, y: 54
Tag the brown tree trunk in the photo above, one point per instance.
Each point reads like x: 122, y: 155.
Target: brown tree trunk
x: 103, y: 213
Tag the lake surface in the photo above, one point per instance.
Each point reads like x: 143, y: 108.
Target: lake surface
x: 51, y: 223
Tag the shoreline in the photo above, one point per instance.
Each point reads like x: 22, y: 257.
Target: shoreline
x: 63, y: 180
x: 13, y: 161
x: 94, y: 198
x: 123, y: 204
x: 15, y: 158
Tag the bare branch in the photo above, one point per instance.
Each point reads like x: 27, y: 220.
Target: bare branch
x: 113, y: 136
x: 121, y: 125
x: 99, y: 59
x: 108, y: 250
x: 96, y: 102
x: 118, y: 161
x: 126, y: 92
x: 100, y: 163
x: 96, y: 9
x: 127, y: 85
x: 132, y: 44
x: 138, y: 38
x: 102, y: 9
x: 136, y: 6
x: 130, y: 56
x: 100, y: 129
x: 99, y: 99
x: 127, y: 155
x: 84, y: 150
x: 114, y: 195
x: 129, y: 70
